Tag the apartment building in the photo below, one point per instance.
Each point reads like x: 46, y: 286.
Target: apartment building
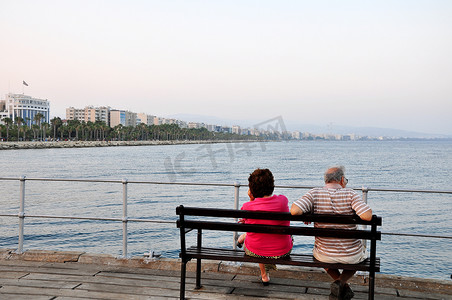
x: 144, y: 118
x: 158, y: 121
x: 75, y: 114
x: 94, y: 114
x: 181, y: 124
x: 123, y: 117
x: 89, y: 114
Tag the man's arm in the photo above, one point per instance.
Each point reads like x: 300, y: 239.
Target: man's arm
x: 367, y: 216
x: 295, y: 210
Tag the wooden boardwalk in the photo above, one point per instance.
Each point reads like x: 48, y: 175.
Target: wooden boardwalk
x: 102, y: 278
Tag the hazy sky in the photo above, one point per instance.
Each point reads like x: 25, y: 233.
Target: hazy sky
x: 384, y: 63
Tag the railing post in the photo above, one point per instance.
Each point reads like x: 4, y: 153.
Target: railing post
x: 21, y: 215
x: 365, y: 191
x: 236, y: 206
x: 124, y: 217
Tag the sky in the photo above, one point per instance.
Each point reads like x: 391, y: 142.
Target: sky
x: 357, y: 63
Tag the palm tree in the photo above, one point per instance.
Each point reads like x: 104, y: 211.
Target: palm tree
x: 142, y: 127
x: 69, y: 129
x: 1, y: 130
x: 19, y: 121
x: 8, y: 122
x: 78, y: 128
x: 45, y: 126
x: 82, y: 129
x: 24, y: 129
x: 105, y: 130
x: 62, y: 130
x: 37, y: 119
x: 100, y: 128
x: 56, y: 122
x: 73, y: 125
x: 35, y: 129
x: 117, y: 130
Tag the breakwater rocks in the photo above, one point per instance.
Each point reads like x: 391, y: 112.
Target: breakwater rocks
x: 84, y: 144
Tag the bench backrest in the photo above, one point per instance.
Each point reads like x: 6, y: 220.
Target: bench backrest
x: 295, y: 229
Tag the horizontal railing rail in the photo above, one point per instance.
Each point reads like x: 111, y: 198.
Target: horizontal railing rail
x: 88, y: 218
x: 222, y: 184
x: 125, y: 219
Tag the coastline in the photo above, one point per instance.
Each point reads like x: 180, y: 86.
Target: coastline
x: 87, y: 144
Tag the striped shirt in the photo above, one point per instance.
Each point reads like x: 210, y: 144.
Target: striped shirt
x: 333, y: 199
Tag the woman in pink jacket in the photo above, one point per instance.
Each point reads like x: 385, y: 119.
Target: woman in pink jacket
x: 261, y: 186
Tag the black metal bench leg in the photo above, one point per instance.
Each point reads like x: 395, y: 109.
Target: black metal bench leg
x: 198, y: 261
x: 198, y: 274
x: 183, y: 269
x: 373, y: 252
x: 371, y: 285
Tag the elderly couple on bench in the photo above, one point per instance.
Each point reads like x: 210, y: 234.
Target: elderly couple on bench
x: 333, y: 198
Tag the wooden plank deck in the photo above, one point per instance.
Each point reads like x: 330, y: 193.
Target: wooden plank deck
x: 25, y: 279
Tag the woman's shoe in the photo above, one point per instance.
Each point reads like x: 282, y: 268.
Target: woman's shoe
x: 266, y: 283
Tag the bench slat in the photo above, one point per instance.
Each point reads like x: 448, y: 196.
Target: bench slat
x: 306, y: 260
x: 274, y: 229
x: 264, y: 215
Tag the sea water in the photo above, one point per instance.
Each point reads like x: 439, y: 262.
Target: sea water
x: 417, y: 165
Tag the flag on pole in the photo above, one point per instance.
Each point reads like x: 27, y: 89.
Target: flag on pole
x: 26, y: 84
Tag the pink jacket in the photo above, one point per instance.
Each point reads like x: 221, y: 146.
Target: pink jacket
x: 266, y: 244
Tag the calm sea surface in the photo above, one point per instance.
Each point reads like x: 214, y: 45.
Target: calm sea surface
x: 384, y: 164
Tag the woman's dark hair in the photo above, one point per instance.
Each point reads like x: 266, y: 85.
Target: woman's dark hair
x: 261, y: 183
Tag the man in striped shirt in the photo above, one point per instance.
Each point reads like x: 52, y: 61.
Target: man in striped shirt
x: 335, y: 198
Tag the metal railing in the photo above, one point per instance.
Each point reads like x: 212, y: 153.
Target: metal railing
x: 125, y: 219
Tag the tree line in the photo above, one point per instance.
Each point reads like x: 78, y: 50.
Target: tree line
x: 18, y: 130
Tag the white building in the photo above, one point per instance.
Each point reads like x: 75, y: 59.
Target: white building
x: 194, y: 125
x: 27, y: 107
x: 296, y: 135
x: 3, y: 111
x: 236, y: 129
x: 3, y: 114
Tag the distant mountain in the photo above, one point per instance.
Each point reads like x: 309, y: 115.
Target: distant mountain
x: 312, y: 128
x: 362, y: 131
x: 390, y: 132
x: 387, y: 132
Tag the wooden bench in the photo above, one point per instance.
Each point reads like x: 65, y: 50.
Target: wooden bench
x: 226, y: 220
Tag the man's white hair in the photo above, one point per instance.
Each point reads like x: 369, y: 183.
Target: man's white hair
x: 334, y: 174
